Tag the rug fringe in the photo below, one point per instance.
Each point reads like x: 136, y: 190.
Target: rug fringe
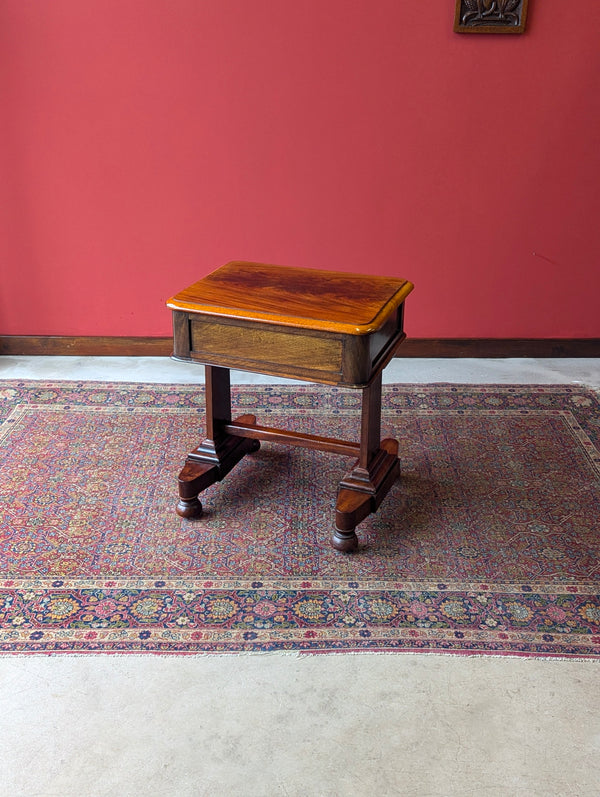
x: 300, y: 655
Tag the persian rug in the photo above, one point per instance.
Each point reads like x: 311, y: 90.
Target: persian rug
x: 489, y: 543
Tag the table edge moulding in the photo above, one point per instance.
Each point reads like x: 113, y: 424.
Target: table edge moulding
x: 322, y: 326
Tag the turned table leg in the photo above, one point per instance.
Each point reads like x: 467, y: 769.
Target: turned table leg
x: 363, y: 489
x: 219, y: 452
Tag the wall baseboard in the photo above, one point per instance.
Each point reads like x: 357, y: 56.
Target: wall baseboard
x: 88, y: 346
x: 500, y: 347
x: 85, y: 346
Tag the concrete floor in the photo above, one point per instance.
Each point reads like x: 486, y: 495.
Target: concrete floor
x: 331, y: 725
x: 410, y: 370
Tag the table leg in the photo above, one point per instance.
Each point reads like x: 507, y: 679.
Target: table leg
x: 219, y: 452
x: 363, y: 489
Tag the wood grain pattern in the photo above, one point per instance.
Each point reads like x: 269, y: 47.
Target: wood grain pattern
x: 221, y: 342
x: 297, y: 297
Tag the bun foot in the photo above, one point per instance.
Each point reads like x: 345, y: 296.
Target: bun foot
x: 189, y: 508
x: 344, y: 541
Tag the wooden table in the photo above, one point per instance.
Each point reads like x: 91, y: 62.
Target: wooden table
x: 319, y: 326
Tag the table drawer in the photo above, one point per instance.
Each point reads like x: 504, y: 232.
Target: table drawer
x: 266, y: 349
x: 312, y: 355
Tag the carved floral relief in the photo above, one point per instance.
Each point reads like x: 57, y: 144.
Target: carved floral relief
x: 490, y: 16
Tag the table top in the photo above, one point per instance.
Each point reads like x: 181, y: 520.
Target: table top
x: 296, y: 297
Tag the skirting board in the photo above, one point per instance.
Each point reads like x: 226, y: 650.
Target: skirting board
x: 412, y: 347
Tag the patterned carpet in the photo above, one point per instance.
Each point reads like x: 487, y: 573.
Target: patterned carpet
x: 490, y: 543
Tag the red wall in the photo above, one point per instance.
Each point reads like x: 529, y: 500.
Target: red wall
x: 146, y: 142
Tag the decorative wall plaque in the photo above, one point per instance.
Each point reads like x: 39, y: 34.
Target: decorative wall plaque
x: 490, y: 16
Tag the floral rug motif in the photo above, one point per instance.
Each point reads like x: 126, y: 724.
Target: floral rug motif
x: 489, y: 543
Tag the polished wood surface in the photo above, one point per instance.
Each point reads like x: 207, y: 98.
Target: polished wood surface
x: 327, y: 327
x: 296, y: 297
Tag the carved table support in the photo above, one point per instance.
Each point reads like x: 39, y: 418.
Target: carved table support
x: 219, y: 452
x: 361, y: 493
x: 363, y: 489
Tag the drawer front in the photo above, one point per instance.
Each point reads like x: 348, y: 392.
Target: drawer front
x: 267, y: 350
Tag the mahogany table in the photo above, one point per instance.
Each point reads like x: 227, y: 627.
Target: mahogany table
x: 319, y: 326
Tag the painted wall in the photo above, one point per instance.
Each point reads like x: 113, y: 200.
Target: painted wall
x: 145, y: 142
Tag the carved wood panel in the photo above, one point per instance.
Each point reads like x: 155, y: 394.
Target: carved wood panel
x: 490, y: 16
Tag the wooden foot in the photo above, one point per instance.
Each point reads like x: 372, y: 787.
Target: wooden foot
x: 189, y: 508
x: 344, y: 541
x: 205, y: 466
x: 194, y: 478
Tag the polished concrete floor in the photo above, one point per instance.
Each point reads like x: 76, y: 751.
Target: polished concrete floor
x: 411, y: 371
x: 300, y: 726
